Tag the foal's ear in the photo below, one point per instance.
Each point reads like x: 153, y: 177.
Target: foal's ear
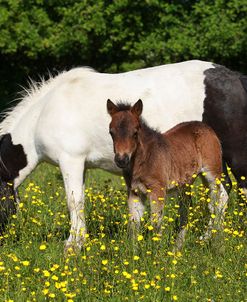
x: 137, y: 108
x: 111, y: 107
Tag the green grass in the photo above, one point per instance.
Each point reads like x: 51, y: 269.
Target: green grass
x: 111, y: 267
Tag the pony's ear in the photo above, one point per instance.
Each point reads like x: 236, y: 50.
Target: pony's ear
x: 137, y: 108
x: 111, y: 107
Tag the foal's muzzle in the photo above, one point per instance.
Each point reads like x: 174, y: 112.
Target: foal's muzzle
x: 122, y: 161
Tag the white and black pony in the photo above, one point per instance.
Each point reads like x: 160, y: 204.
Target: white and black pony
x: 65, y: 121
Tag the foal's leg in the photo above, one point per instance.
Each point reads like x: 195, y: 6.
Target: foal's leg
x: 217, y: 205
x: 184, y: 204
x: 72, y: 171
x: 157, y: 200
x: 136, y: 207
x: 136, y: 210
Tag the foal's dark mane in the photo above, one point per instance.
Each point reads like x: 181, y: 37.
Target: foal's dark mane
x: 123, y: 106
x: 151, y: 134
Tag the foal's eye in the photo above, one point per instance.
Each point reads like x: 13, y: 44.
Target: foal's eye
x: 111, y: 132
x: 135, y: 134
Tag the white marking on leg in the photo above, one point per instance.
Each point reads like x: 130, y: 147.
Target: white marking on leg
x: 136, y: 210
x: 180, y: 239
x: 217, y: 207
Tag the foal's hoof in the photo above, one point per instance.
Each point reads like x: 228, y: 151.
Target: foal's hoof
x: 205, y: 237
x: 72, y: 248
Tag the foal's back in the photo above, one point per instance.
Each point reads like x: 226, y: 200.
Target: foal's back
x: 194, y: 148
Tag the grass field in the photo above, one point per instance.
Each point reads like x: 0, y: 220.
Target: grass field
x: 111, y: 267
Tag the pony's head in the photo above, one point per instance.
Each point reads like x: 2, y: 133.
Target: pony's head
x: 124, y: 129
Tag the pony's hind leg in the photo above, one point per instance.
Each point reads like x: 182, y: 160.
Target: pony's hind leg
x: 72, y: 170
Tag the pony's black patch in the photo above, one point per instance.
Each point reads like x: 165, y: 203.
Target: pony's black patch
x: 225, y: 110
x: 12, y: 158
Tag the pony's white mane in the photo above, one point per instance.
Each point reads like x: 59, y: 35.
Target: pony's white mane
x: 35, y: 92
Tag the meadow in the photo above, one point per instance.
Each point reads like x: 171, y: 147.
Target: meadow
x: 111, y: 266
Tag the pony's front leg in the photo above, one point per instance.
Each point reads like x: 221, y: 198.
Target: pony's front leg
x: 72, y: 170
x: 136, y: 210
x: 157, y: 200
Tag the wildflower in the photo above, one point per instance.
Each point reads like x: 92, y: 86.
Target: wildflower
x: 45, y: 291
x: 126, y: 275
x: 52, y: 295
x: 25, y: 263
x: 102, y: 247
x: 46, y: 273
x: 218, y: 275
x: 54, y: 267
x: 136, y: 258
x: 139, y: 237
x: 42, y: 247
x: 104, y: 262
x: 170, y: 253
x: 155, y: 238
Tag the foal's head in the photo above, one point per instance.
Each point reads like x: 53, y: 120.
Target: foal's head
x: 124, y: 128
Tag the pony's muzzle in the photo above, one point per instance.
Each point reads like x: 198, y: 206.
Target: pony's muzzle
x: 122, y: 161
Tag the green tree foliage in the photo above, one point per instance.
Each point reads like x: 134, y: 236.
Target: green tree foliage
x: 37, y: 36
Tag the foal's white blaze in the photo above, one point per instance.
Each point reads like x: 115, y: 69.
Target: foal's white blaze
x: 65, y: 120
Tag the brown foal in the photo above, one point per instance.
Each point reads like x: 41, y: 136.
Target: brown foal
x: 153, y: 163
